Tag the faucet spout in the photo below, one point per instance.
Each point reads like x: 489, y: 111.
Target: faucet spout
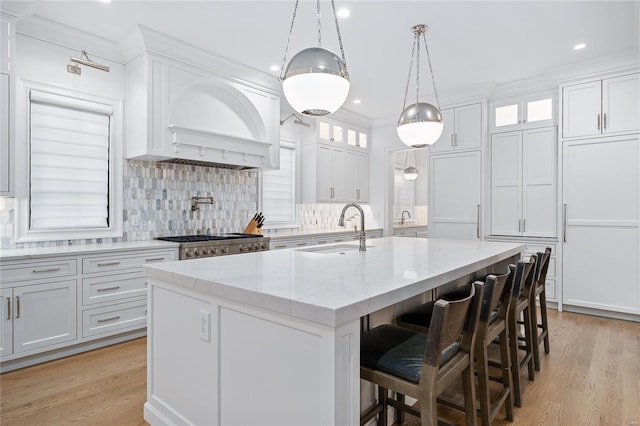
x: 195, y: 201
x: 402, y: 216
x: 361, y: 235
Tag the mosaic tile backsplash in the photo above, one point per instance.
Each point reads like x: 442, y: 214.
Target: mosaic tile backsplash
x: 157, y: 202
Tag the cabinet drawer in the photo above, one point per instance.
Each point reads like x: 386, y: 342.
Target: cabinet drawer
x: 118, y: 318
x: 117, y: 263
x: 330, y: 239
x: 284, y: 244
x: 113, y: 287
x: 36, y: 270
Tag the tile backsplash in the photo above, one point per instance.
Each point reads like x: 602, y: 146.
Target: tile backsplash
x: 157, y: 202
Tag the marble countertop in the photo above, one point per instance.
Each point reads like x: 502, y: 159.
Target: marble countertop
x: 337, y: 287
x: 75, y: 249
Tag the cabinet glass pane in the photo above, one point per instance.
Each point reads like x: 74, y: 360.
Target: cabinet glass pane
x: 323, y: 130
x: 507, y: 115
x: 362, y: 141
x: 337, y: 134
x: 352, y: 137
x: 539, y: 110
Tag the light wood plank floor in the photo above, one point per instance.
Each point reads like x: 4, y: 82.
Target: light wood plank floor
x: 591, y: 377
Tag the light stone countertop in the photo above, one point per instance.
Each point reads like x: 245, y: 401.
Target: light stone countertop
x: 76, y: 249
x: 339, y: 287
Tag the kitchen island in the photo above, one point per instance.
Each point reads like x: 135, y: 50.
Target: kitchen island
x: 273, y: 338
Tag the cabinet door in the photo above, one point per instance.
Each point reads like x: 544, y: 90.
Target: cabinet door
x: 337, y: 174
x: 538, y: 182
x: 506, y: 183
x: 362, y: 178
x: 5, y: 160
x: 45, y: 314
x: 350, y: 176
x: 621, y: 104
x: 455, y: 193
x: 601, y: 196
x: 6, y: 316
x: 323, y: 178
x: 581, y: 110
x: 468, y: 127
x: 445, y: 142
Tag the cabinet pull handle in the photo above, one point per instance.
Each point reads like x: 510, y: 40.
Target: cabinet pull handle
x: 109, y: 264
x: 452, y: 139
x: 280, y: 246
x: 301, y: 244
x: 17, y: 306
x: 109, y: 288
x: 478, y: 223
x: 564, y: 222
x: 524, y: 225
x: 357, y: 194
x: 37, y: 271
x: 154, y: 259
x: 598, y: 121
x: 519, y: 225
x: 604, y: 121
x: 8, y: 308
x: 455, y: 139
x: 109, y: 319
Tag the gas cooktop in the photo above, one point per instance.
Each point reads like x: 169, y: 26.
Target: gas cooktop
x: 201, y: 238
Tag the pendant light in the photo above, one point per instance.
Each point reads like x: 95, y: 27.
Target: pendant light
x: 316, y: 81
x: 410, y: 172
x: 420, y: 123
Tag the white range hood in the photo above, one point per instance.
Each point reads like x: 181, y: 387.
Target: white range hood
x: 181, y: 108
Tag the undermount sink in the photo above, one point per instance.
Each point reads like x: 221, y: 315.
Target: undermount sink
x: 340, y: 248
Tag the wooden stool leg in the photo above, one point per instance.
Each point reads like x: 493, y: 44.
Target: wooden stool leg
x: 533, y: 312
x: 482, y: 367
x: 515, y: 361
x: 382, y: 399
x: 543, y: 315
x: 468, y: 389
x: 528, y: 335
x: 399, y: 413
x: 428, y: 399
x: 505, y: 360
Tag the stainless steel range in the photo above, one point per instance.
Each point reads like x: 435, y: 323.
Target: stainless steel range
x: 197, y: 246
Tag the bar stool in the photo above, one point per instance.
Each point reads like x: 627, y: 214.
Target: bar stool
x: 492, y: 325
x: 523, y: 286
x: 540, y: 294
x: 423, y: 365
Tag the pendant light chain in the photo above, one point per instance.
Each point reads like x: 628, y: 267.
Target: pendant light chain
x: 433, y: 79
x: 319, y: 24
x: 418, y: 71
x: 286, y: 50
x: 335, y: 18
x: 406, y: 90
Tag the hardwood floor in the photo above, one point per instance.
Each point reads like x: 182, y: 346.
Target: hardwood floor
x: 591, y: 377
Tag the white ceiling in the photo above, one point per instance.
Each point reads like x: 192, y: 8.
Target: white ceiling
x: 471, y: 42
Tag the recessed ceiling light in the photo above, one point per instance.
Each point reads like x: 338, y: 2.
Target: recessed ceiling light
x: 274, y: 68
x: 357, y: 101
x: 579, y: 46
x: 343, y: 12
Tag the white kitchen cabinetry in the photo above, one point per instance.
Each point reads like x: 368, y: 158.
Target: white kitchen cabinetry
x: 410, y: 231
x: 279, y: 244
x: 356, y: 176
x: 519, y: 113
x: 331, y: 131
x: 330, y: 175
x: 455, y: 193
x: 462, y: 129
x: 52, y: 304
x: 523, y: 183
x: 7, y: 48
x: 601, y: 223
x: 603, y: 107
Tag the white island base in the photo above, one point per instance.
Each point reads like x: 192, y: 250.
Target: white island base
x: 273, y: 338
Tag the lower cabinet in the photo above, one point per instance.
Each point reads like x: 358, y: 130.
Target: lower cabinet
x: 50, y: 304
x: 411, y: 232
x: 319, y: 239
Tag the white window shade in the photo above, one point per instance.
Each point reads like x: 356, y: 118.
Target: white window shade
x: 279, y: 190
x: 69, y: 173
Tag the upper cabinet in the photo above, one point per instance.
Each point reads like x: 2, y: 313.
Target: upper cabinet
x: 7, y: 43
x: 181, y: 111
x: 523, y: 112
x: 601, y: 107
x: 336, y: 164
x: 462, y: 129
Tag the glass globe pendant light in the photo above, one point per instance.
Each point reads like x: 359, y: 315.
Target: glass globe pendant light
x: 420, y: 123
x: 410, y: 172
x: 316, y: 81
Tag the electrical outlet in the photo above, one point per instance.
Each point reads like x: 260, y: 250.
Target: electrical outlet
x: 134, y: 220
x: 205, y: 325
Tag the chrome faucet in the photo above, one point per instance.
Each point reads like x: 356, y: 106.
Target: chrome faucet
x: 402, y: 216
x: 361, y: 235
x: 200, y: 200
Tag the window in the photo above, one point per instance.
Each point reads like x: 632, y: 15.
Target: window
x: 279, y: 190
x: 74, y: 174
